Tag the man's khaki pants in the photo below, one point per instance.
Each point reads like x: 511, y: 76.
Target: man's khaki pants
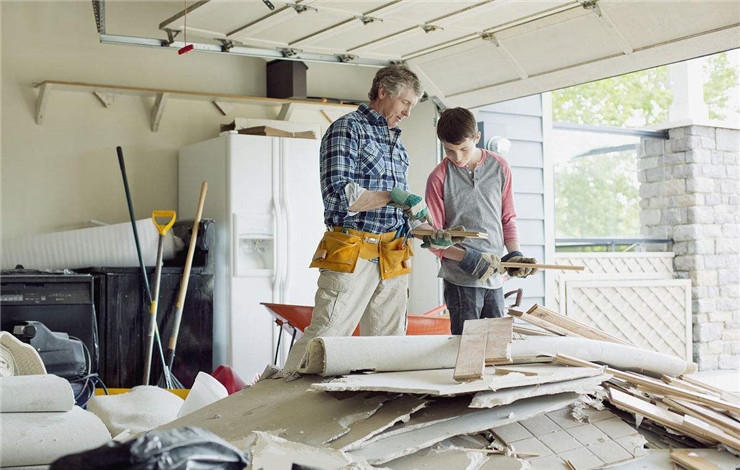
x: 344, y: 300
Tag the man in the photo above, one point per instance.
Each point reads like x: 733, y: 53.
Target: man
x: 364, y: 255
x: 472, y: 188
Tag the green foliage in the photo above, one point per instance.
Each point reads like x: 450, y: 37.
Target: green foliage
x: 722, y: 77
x: 642, y: 96
x: 597, y: 196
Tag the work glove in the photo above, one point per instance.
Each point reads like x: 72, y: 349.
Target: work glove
x: 518, y: 257
x: 442, y: 239
x: 411, y: 203
x: 480, y: 265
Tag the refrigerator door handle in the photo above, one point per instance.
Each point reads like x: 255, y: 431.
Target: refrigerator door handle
x: 280, y: 223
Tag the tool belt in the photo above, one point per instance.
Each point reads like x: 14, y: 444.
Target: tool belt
x: 340, y: 248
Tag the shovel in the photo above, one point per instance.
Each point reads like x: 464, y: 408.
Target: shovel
x: 170, y: 216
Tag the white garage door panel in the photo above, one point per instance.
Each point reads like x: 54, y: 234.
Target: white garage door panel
x: 529, y: 206
x: 514, y: 127
x: 472, y: 53
x: 526, y: 154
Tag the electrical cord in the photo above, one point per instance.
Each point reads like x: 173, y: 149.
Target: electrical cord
x: 89, y: 380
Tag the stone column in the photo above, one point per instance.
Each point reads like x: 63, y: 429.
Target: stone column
x: 690, y: 192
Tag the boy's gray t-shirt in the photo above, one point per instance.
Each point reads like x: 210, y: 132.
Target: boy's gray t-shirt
x: 473, y: 199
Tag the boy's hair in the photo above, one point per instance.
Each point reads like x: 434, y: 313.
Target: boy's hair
x: 455, y: 125
x: 394, y: 78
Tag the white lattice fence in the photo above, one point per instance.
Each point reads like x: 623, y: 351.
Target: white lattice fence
x: 652, y: 313
x: 629, y: 295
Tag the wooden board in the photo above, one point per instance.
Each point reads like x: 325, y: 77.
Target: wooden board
x: 577, y: 327
x: 453, y: 233
x: 498, y: 343
x: 544, y: 324
x: 688, y: 459
x: 567, y: 267
x: 471, y: 356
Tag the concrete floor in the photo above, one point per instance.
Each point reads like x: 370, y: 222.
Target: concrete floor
x: 728, y: 380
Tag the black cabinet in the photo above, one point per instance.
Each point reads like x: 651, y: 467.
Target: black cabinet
x: 122, y: 306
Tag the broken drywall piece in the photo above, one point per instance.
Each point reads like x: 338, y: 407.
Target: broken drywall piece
x: 275, y: 453
x: 390, y: 413
x: 440, y: 382
x: 291, y: 410
x: 441, y: 457
x: 659, y: 459
x: 504, y: 397
x: 383, y: 448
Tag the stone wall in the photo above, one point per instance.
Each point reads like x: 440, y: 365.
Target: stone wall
x: 690, y: 192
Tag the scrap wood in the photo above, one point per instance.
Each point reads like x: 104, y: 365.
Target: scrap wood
x: 544, y: 324
x: 659, y: 415
x: 471, y: 355
x: 453, y: 233
x: 567, y: 267
x: 704, y: 413
x: 691, y: 460
x: 679, y: 382
x: 724, y: 394
x: 580, y: 329
x: 500, y: 334
x: 702, y: 428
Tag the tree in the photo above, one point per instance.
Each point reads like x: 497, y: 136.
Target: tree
x: 598, y: 195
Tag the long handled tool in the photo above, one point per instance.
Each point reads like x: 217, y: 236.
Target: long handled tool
x: 185, y: 278
x: 162, y: 229
x: 119, y: 150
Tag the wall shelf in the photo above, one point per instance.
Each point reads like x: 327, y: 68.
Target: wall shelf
x: 107, y: 94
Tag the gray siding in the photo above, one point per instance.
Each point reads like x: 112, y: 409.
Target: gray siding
x: 521, y: 121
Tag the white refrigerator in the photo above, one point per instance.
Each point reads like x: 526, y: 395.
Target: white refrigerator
x: 264, y: 194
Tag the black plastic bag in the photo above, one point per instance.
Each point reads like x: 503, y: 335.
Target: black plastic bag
x: 185, y: 448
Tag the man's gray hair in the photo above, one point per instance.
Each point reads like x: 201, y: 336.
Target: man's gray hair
x: 394, y: 78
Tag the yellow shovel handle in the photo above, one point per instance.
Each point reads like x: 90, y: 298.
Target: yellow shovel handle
x: 162, y: 229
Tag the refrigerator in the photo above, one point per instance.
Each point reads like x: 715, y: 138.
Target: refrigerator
x: 264, y: 194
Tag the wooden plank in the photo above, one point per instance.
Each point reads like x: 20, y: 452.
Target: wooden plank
x: 471, y: 357
x: 654, y: 385
x: 724, y: 422
x: 500, y: 334
x: 661, y: 416
x: 575, y: 326
x: 687, y: 385
x: 545, y: 325
x: 567, y: 267
x: 724, y: 394
x: 704, y: 429
x: 454, y: 233
x: 690, y: 460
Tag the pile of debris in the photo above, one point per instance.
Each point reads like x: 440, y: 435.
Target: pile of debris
x: 566, y: 397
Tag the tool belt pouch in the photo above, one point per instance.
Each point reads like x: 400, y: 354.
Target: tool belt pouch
x: 395, y: 258
x: 337, y: 252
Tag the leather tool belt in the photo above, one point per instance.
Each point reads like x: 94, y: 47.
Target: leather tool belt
x: 340, y: 248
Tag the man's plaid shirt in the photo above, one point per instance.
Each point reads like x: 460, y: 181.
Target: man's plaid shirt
x: 360, y: 147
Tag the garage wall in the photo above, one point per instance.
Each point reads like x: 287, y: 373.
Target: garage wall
x: 525, y: 122
x: 64, y: 173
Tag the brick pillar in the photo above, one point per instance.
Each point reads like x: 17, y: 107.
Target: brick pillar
x: 690, y: 192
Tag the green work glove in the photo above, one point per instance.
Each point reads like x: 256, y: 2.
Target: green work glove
x: 412, y: 204
x: 480, y: 265
x: 442, y: 239
x: 518, y: 257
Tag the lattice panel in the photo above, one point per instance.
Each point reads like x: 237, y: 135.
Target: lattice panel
x: 652, y: 313
x: 650, y: 265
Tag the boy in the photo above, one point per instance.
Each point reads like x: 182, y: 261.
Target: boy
x: 472, y: 188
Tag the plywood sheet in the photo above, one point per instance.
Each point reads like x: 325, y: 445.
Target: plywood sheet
x: 440, y: 382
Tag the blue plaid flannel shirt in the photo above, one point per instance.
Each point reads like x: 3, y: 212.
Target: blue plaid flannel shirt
x: 360, y: 147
